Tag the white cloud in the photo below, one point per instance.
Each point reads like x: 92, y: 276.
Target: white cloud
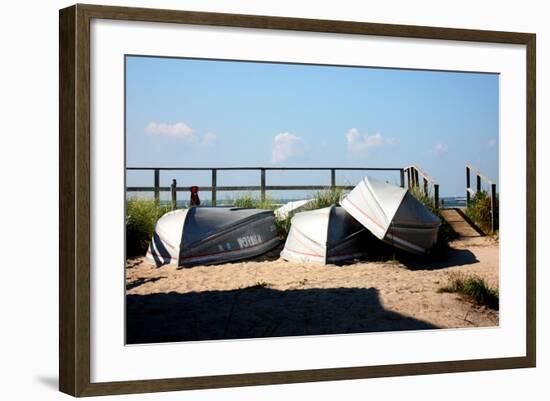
x: 286, y: 146
x: 362, y: 143
x: 441, y: 148
x: 179, y: 129
x: 208, y: 139
x: 491, y: 143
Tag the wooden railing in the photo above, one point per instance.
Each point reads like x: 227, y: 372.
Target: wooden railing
x: 214, y: 188
x: 493, y: 192
x: 415, y: 176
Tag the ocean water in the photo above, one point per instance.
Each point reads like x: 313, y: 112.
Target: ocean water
x: 453, y: 201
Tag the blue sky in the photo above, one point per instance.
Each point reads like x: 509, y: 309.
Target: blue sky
x: 182, y: 112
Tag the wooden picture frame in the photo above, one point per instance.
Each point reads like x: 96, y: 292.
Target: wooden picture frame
x: 75, y: 200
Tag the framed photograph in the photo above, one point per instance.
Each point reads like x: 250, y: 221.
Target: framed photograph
x: 249, y: 200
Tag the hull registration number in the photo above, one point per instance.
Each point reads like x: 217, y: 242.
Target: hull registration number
x: 249, y: 240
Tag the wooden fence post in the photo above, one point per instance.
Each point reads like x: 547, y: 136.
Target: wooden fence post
x: 332, y: 179
x: 157, y: 186
x: 436, y: 196
x: 494, y: 206
x: 467, y: 185
x: 409, y: 177
x: 402, y: 178
x: 478, y: 183
x: 174, y: 194
x: 214, y: 185
x: 262, y: 184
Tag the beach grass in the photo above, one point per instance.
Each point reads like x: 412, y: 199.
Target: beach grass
x: 141, y: 217
x: 425, y: 199
x: 479, y: 211
x: 248, y: 201
x: 325, y: 198
x: 283, y: 225
x: 473, y: 287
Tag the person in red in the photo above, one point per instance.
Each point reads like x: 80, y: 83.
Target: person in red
x: 195, y: 201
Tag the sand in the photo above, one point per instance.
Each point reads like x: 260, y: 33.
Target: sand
x: 264, y: 298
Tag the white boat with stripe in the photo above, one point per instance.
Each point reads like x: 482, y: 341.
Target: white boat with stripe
x: 393, y: 215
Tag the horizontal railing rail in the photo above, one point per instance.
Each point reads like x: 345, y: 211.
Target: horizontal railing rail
x: 214, y: 188
x: 243, y: 188
x: 411, y: 174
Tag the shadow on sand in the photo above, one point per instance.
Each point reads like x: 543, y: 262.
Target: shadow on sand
x: 256, y: 312
x: 382, y: 252
x: 450, y: 258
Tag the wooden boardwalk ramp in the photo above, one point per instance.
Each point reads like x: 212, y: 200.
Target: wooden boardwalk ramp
x: 460, y: 223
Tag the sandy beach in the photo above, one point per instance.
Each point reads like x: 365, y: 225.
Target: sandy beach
x: 269, y: 297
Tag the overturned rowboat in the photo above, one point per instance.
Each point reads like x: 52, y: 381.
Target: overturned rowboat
x: 290, y: 208
x: 211, y: 235
x: 393, y: 215
x: 328, y: 235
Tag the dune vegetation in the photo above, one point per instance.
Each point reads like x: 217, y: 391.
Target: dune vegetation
x: 479, y: 211
x: 141, y: 217
x: 474, y: 288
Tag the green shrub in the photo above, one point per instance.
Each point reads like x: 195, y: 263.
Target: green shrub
x: 473, y: 287
x: 141, y: 217
x: 283, y: 225
x: 479, y: 210
x: 247, y: 201
x: 268, y: 203
x: 425, y: 199
x: 325, y: 198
